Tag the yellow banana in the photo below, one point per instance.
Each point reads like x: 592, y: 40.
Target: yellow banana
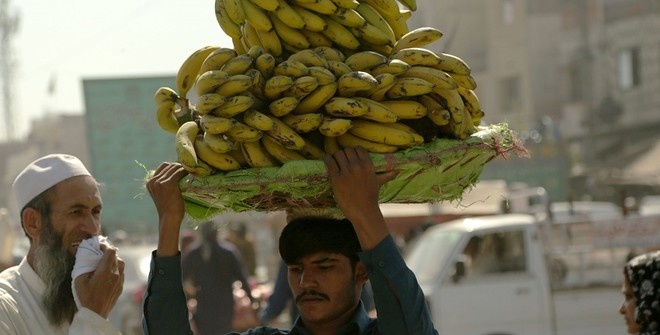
x: 348, y: 17
x: 419, y: 37
x: 372, y: 16
x: 258, y: 83
x: 471, y: 102
x: 201, y: 170
x: 316, y: 39
x: 322, y: 75
x: 330, y: 53
x: 345, y: 107
x: 239, y: 43
x: 226, y: 24
x: 269, y: 5
x: 331, y: 145
x: 238, y: 155
x: 464, y: 80
x: 235, y: 11
x: 355, y: 81
x: 208, y: 102
x: 309, y: 57
x: 439, y: 117
x: 377, y: 111
x: 237, y: 65
x: 257, y: 120
x: 283, y: 106
x: 256, y: 156
x: 270, y: 41
x: 409, y: 87
x: 288, y: 15
x: 313, y: 21
x: 278, y: 151
x: 417, y: 56
x: 185, y: 77
x: 218, y: 143
x: 379, y: 92
x: 291, y: 68
x: 341, y: 35
x: 418, y: 138
x: 374, y: 36
x: 255, y: 51
x: 319, y: 6
x: 338, y: 68
x: 347, y: 4
x: 365, y: 60
x: 311, y: 151
x: 236, y: 84
x: 216, y: 59
x: 165, y: 94
x: 166, y: 118
x: 210, y: 80
x: 212, y: 124
x: 220, y: 161
x: 333, y: 127
x: 440, y: 79
x: 184, y: 140
x: 398, y: 24
x: 276, y: 85
x: 388, y: 8
x: 349, y: 140
x: 315, y: 100
x: 241, y: 132
x: 256, y: 16
x: 249, y: 37
x: 289, y: 35
x: 406, y: 109
x: 379, y: 133
x: 451, y: 63
x: 393, y: 66
x: 301, y: 87
x: 285, y: 136
x: 235, y: 105
x: 303, y: 123
x: 265, y: 64
x: 452, y: 101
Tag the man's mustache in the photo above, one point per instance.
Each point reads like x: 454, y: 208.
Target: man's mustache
x: 307, y: 294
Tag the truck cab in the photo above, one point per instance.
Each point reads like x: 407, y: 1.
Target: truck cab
x: 485, y: 275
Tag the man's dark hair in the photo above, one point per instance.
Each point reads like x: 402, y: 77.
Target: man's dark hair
x: 308, y: 235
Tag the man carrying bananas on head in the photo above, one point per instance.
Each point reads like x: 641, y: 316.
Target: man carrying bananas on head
x: 328, y: 260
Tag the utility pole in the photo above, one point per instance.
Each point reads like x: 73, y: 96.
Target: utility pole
x: 8, y: 28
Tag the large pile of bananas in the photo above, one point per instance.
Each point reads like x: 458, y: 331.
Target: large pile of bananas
x: 306, y: 77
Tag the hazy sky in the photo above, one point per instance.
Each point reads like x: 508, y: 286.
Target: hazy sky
x: 72, y: 40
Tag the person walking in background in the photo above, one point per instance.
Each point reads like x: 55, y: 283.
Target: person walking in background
x: 209, y: 271
x: 60, y: 207
x: 641, y: 291
x: 239, y: 237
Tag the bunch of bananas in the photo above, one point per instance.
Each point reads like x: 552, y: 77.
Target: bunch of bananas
x: 258, y: 106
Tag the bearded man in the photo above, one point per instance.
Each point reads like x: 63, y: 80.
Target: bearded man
x: 60, y: 206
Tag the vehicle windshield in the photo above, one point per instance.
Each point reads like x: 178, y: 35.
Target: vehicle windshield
x: 426, y: 256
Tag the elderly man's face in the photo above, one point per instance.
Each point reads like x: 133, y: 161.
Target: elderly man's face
x: 75, y: 206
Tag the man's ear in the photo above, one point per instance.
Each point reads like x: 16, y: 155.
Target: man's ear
x: 32, y: 223
x: 361, y: 274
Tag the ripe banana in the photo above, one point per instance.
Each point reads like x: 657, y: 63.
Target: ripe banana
x: 417, y: 38
x: 256, y: 156
x: 256, y: 51
x: 471, y: 102
x: 256, y: 16
x: 349, y: 18
x: 288, y: 15
x: 166, y: 118
x: 347, y: 4
x: 417, y: 56
x: 406, y: 109
x: 289, y: 35
x: 291, y: 68
x: 210, y: 80
x: 316, y: 39
x: 165, y: 94
x: 355, y: 81
x: 393, y: 66
x: 409, y: 87
x: 440, y: 117
x: 373, y: 17
x: 283, y: 106
x: 265, y: 64
x: 379, y: 133
x: 377, y: 111
x: 464, y: 80
x: 257, y: 120
x: 208, y: 102
x: 378, y: 93
x: 419, y: 139
x: 451, y: 63
x: 338, y: 68
x: 365, y: 60
x: 249, y: 37
x: 278, y: 151
x: 258, y: 83
x: 185, y: 77
x: 315, y: 100
x: 212, y: 124
x: 303, y: 123
x: 216, y: 59
x: 349, y: 140
x: 238, y: 65
x: 301, y: 87
x: 320, y: 6
x: 286, y: 136
x: 388, y: 8
x: 236, y: 84
x: 345, y: 107
x: 440, y: 79
x: 322, y: 75
x: 235, y: 10
x: 220, y: 161
x: 340, y: 35
x: 452, y: 101
x: 184, y: 139
x: 333, y: 127
x: 276, y: 85
x: 374, y: 36
x: 241, y: 132
x: 235, y: 105
x: 309, y: 57
x: 270, y: 41
x: 226, y: 24
x: 218, y: 143
x: 269, y: 5
x: 330, y: 53
x: 331, y: 145
x: 313, y: 22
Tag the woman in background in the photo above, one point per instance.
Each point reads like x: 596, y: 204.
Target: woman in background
x: 641, y: 290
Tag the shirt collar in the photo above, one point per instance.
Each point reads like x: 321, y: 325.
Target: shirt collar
x: 31, y: 278
x: 359, y: 321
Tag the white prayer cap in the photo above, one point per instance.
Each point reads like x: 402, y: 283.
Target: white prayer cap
x: 43, y: 174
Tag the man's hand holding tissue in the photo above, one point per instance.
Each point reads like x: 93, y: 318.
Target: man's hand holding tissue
x: 99, y: 290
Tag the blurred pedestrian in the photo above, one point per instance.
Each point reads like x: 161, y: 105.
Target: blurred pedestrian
x: 641, y: 291
x: 210, y: 269
x: 239, y: 237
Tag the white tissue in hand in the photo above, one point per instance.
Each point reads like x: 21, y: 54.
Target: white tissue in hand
x: 87, y: 259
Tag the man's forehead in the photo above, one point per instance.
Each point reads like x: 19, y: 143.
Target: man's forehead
x: 321, y: 257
